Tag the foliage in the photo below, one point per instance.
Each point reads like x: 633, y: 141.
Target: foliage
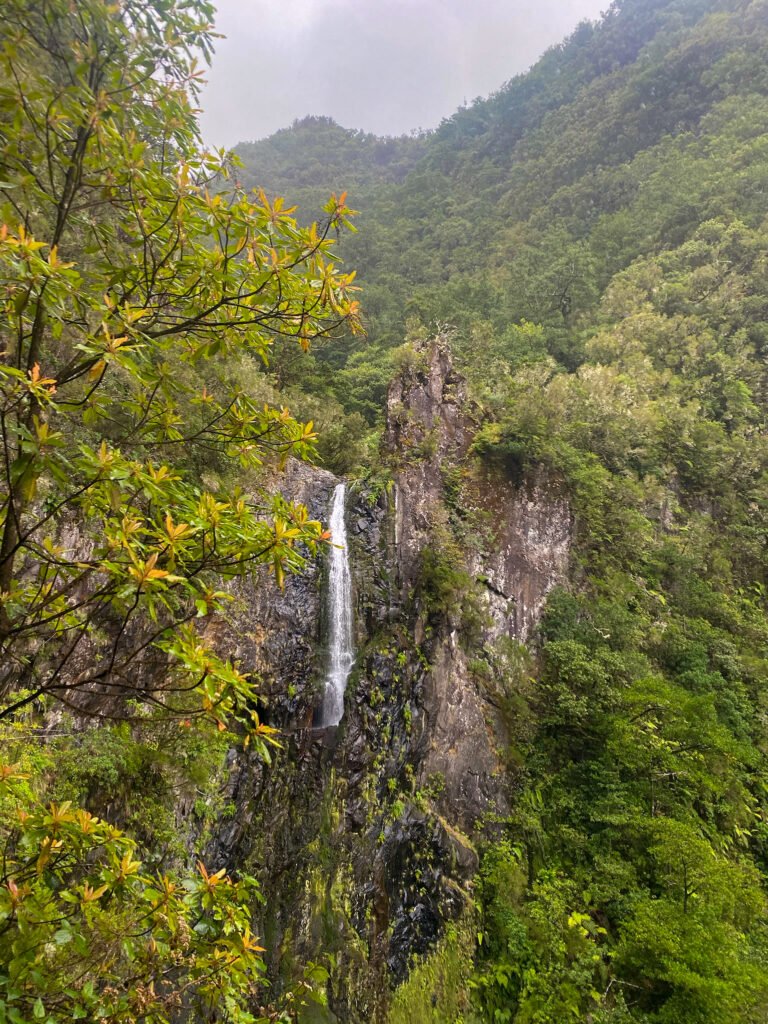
x: 596, y: 231
x: 436, y: 990
x: 139, y: 285
x: 446, y: 588
x: 87, y: 933
x: 123, y: 274
x: 644, y: 775
x: 521, y: 207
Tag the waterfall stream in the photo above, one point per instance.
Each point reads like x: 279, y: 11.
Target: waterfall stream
x: 341, y: 654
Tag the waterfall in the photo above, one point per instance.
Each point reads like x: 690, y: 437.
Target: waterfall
x: 339, y: 613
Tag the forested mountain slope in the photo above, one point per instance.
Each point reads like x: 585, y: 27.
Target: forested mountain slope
x: 596, y: 235
x: 617, y: 144
x: 316, y: 156
x: 547, y: 797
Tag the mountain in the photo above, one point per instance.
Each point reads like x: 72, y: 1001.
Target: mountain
x: 590, y: 244
x: 545, y: 595
x: 618, y: 144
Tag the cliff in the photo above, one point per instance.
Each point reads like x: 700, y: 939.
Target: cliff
x: 365, y: 836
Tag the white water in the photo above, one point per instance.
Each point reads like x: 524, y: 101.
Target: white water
x: 341, y: 653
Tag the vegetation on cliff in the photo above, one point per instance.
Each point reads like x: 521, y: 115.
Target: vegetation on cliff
x: 593, y: 239
x: 595, y: 233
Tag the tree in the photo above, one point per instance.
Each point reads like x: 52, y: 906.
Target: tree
x: 88, y: 933
x: 134, y: 272
x: 135, y: 277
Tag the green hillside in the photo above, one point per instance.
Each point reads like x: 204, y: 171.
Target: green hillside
x: 546, y: 797
x: 593, y: 238
x: 618, y: 144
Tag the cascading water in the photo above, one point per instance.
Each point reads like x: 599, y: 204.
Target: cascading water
x: 341, y: 654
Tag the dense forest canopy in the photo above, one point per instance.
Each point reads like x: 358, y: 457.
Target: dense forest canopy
x: 619, y: 143
x: 593, y: 237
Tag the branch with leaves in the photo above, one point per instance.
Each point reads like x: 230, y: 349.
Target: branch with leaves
x: 133, y: 270
x: 87, y: 932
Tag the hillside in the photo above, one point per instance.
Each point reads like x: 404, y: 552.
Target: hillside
x: 618, y: 144
x: 316, y: 156
x: 494, y: 748
x: 592, y: 238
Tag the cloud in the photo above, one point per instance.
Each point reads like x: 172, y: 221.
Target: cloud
x: 387, y: 66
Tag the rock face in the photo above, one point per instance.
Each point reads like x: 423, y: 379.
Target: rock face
x: 278, y: 635
x: 428, y: 427
x: 364, y: 836
x: 528, y: 551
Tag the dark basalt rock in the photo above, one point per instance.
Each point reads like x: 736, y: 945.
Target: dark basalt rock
x: 363, y: 835
x: 420, y: 864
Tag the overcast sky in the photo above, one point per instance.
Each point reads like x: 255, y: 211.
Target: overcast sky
x: 387, y: 66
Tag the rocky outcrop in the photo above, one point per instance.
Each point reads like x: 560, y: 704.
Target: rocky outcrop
x: 517, y: 554
x: 461, y: 730
x: 278, y: 634
x: 429, y: 426
x: 528, y: 547
x: 365, y: 836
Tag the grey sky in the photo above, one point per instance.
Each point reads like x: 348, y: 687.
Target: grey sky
x: 387, y: 66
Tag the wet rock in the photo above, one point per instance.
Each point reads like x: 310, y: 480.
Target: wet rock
x: 364, y: 836
x: 459, y: 750
x: 528, y: 549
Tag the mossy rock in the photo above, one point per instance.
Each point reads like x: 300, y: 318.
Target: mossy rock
x: 436, y: 991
